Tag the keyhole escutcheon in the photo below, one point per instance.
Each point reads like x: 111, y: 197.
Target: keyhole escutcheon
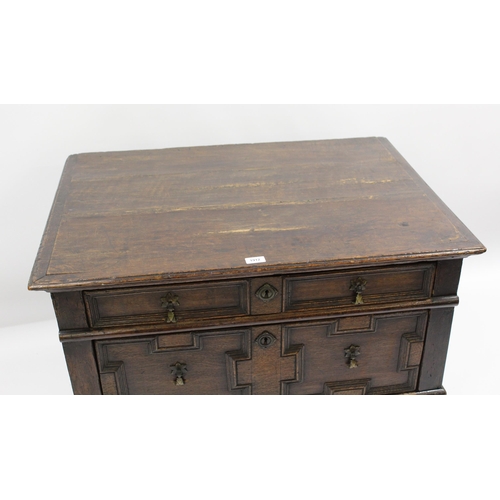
x: 265, y: 340
x: 266, y: 292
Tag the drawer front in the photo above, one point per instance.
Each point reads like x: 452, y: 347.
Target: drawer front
x: 172, y: 305
x: 184, y: 363
x: 359, y: 287
x: 373, y: 354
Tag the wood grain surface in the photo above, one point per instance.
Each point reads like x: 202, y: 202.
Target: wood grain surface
x: 160, y: 216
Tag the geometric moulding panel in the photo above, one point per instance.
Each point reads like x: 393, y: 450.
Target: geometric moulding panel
x: 381, y: 356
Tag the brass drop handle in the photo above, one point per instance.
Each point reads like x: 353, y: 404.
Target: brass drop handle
x: 357, y: 286
x: 352, y: 353
x: 168, y: 302
x: 178, y: 370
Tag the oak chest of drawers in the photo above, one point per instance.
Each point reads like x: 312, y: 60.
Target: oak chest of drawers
x: 317, y: 267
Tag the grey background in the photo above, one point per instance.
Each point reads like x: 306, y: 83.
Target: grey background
x: 455, y: 148
x: 258, y: 52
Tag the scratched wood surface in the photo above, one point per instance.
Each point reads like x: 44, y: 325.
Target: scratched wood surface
x: 141, y: 217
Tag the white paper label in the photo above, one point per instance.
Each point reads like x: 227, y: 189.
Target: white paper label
x: 255, y: 260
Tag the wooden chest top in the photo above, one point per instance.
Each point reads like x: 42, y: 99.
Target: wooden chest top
x: 183, y: 214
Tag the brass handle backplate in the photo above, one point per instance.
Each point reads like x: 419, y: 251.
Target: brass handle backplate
x: 168, y: 302
x: 352, y: 353
x: 357, y: 286
x: 178, y: 371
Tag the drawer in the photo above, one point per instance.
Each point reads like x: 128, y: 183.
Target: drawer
x: 172, y: 305
x: 369, y: 354
x: 373, y: 354
x: 359, y: 287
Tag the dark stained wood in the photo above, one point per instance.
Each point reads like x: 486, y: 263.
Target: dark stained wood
x: 390, y: 284
x: 144, y: 366
x: 82, y: 367
x: 390, y: 348
x: 350, y: 311
x: 131, y: 306
x: 436, y: 348
x: 258, y: 319
x: 144, y: 255
x: 146, y: 216
x: 266, y: 362
x: 70, y: 310
x: 262, y: 305
x: 227, y: 362
x: 447, y: 277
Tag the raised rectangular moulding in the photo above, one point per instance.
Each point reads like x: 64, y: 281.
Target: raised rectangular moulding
x: 359, y: 287
x: 166, y: 304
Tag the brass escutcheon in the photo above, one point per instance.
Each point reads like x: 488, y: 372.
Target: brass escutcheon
x: 265, y: 340
x: 266, y: 292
